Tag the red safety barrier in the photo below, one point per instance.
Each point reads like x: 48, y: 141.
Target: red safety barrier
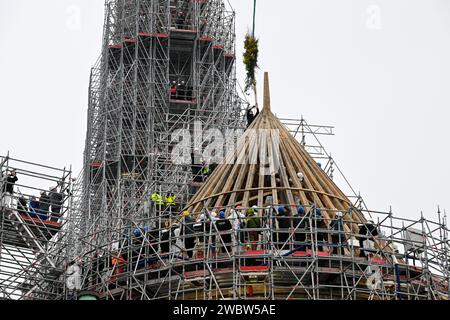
x: 254, y: 269
x: 255, y: 253
x: 49, y: 223
x: 378, y: 261
x: 157, y: 35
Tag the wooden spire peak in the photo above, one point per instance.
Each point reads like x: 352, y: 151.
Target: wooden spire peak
x: 270, y: 167
x: 266, y: 92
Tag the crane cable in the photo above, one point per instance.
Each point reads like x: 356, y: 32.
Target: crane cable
x: 254, y: 18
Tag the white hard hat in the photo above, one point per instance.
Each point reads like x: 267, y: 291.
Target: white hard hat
x: 300, y: 175
x: 339, y: 214
x: 255, y: 207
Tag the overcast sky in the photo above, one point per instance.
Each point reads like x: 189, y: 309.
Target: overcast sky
x: 379, y: 71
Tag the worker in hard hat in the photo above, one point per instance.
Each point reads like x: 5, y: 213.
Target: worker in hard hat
x: 301, y: 226
x: 170, y: 202
x: 224, y: 226
x: 158, y: 203
x: 187, y: 231
x: 205, y: 171
x: 319, y: 226
x: 173, y: 90
x: 202, y: 227
x: 213, y: 217
x: 157, y: 199
x: 338, y: 233
x: 284, y: 225
x: 270, y: 214
x: 253, y: 222
x: 182, y: 90
x: 178, y: 248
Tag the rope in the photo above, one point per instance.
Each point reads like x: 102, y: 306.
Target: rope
x: 254, y: 18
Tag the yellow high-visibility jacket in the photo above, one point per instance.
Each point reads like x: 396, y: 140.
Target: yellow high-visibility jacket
x: 170, y: 201
x: 157, y: 199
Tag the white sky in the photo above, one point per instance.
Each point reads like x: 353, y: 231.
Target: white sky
x: 379, y: 71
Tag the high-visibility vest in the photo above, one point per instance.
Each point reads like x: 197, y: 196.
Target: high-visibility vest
x: 118, y: 263
x: 170, y: 201
x: 157, y: 199
x: 205, y: 170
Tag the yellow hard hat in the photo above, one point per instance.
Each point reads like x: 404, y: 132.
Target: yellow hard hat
x: 186, y: 213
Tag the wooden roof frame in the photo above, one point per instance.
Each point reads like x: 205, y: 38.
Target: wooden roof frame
x: 240, y: 180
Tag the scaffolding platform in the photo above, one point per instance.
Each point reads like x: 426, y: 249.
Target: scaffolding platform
x: 180, y: 34
x: 34, y: 253
x: 20, y: 229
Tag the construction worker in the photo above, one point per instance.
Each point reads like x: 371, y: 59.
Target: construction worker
x: 338, y: 232
x: 205, y: 171
x: 202, y: 228
x: 8, y: 188
x: 181, y: 20
x: 251, y: 116
x: 301, y: 177
x: 253, y: 222
x: 169, y: 202
x: 284, y: 224
x: 34, y: 207
x: 367, y: 232
x: 235, y: 219
x: 44, y: 205
x: 173, y: 90
x: 187, y: 230
x: 239, y: 224
x: 318, y: 222
x: 224, y: 227
x: 158, y: 203
x: 301, y: 223
x: 73, y: 278
x: 118, y: 263
x: 178, y: 248
x: 165, y: 240
x: 157, y: 199
x: 56, y: 201
x: 182, y: 91
x: 270, y: 219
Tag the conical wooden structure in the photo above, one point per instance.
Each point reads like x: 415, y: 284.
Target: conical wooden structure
x: 267, y: 163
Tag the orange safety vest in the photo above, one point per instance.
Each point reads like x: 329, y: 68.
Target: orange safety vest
x: 118, y: 264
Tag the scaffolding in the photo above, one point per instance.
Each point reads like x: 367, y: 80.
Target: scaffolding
x: 167, y: 257
x: 34, y: 229
x: 239, y: 237
x: 168, y: 67
x: 296, y: 262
